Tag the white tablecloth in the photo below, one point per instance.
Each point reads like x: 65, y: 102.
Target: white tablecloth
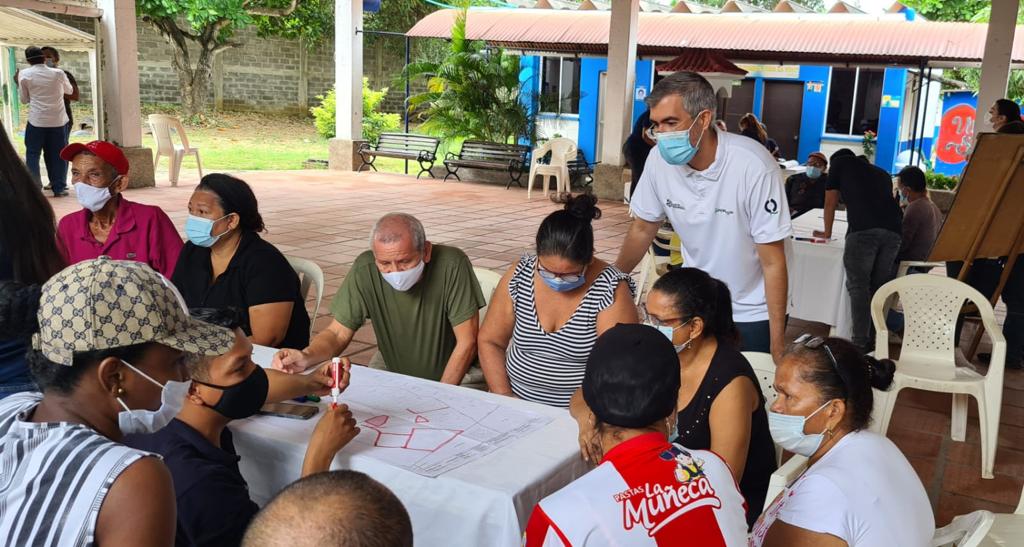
x: 486, y: 502
x: 817, y: 278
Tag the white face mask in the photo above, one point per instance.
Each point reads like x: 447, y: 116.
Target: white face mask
x: 788, y: 432
x: 92, y: 198
x: 403, y: 281
x: 172, y: 398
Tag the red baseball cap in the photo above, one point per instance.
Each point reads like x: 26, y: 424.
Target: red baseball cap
x: 107, y: 151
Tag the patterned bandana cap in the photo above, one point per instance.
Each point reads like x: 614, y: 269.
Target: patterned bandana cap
x: 104, y: 304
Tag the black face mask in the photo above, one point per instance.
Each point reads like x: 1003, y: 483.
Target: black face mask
x: 243, y: 399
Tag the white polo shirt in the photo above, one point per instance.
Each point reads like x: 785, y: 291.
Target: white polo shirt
x: 721, y: 214
x: 43, y: 88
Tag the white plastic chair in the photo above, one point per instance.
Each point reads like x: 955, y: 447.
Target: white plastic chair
x: 310, y: 276
x: 650, y: 264
x: 764, y: 368
x: 928, y: 356
x: 965, y: 530
x: 562, y: 152
x: 1007, y: 529
x: 161, y: 125
x: 489, y: 281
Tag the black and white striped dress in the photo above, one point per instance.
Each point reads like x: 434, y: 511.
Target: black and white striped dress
x: 547, y: 367
x: 53, y: 477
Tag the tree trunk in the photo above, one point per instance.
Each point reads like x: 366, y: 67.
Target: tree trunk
x: 193, y: 82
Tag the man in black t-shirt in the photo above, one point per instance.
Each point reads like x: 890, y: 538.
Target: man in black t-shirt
x: 873, y: 235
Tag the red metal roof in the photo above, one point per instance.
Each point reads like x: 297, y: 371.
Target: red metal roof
x: 699, y: 60
x: 824, y: 39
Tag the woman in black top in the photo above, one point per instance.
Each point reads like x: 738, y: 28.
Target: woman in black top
x: 226, y: 264
x: 721, y: 407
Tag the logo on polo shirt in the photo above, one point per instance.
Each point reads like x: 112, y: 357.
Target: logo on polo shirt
x: 725, y: 211
x: 673, y: 205
x: 771, y: 206
x: 653, y: 506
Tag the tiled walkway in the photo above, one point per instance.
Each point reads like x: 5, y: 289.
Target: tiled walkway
x: 326, y: 216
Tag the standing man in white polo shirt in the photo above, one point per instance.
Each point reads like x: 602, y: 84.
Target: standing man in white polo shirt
x: 724, y: 196
x: 43, y: 89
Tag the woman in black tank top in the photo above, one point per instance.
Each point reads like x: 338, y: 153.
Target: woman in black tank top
x: 721, y: 407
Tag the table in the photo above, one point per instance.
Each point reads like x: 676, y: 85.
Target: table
x: 817, y: 277
x: 485, y: 502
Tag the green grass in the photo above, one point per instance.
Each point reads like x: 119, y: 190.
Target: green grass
x: 233, y: 141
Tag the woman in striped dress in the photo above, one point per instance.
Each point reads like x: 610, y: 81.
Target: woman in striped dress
x: 549, y: 309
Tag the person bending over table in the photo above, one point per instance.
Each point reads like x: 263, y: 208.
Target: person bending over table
x: 872, y: 238
x: 357, y: 511
x: 213, y: 501
x: 724, y: 196
x: 858, y: 489
x: 424, y: 301
x: 646, y: 491
x: 550, y: 308
x: 68, y: 480
x: 227, y: 264
x: 109, y: 224
x: 721, y: 407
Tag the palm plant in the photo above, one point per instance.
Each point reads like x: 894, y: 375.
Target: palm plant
x: 473, y: 93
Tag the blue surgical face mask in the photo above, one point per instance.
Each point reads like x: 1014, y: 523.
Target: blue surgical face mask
x: 670, y: 333
x: 199, y: 231
x: 675, y: 146
x: 788, y: 432
x: 558, y: 285
x: 813, y: 172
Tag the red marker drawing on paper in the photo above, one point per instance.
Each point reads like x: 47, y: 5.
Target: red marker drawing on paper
x: 336, y: 372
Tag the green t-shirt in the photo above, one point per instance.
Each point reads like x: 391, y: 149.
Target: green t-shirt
x: 413, y: 328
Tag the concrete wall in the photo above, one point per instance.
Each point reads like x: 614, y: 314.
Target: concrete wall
x: 263, y: 75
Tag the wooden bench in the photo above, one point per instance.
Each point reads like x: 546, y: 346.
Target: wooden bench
x: 405, y: 146
x: 493, y: 156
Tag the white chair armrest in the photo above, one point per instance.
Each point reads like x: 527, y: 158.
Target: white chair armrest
x: 965, y: 530
x: 783, y: 477
x: 907, y: 264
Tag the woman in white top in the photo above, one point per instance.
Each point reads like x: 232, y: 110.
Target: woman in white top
x: 858, y: 489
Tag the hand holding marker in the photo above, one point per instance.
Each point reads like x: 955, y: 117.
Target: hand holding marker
x: 336, y: 372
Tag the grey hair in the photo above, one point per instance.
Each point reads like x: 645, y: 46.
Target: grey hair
x: 697, y: 93
x: 415, y: 227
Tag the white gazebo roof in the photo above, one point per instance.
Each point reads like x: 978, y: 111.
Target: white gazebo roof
x: 24, y: 28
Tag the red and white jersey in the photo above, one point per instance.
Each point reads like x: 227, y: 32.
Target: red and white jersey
x: 645, y: 492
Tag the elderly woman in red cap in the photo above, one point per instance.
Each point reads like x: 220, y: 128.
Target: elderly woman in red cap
x: 109, y: 224
x: 806, y: 191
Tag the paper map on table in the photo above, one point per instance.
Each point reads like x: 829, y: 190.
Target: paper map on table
x: 426, y: 429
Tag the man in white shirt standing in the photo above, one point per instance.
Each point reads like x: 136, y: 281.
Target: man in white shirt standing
x: 43, y: 89
x: 724, y: 196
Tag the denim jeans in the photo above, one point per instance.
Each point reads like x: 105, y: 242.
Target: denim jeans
x: 17, y: 385
x: 755, y: 336
x: 1013, y: 328
x: 870, y: 262
x: 48, y: 142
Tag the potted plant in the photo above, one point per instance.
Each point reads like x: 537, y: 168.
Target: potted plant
x: 869, y: 142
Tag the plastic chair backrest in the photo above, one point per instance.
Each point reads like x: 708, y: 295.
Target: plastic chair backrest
x: 562, y: 151
x: 310, y: 275
x: 160, y: 125
x: 931, y: 304
x: 489, y: 281
x: 764, y: 369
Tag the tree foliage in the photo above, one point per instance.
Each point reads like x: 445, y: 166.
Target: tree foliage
x: 207, y: 25
x: 948, y: 10
x: 816, y: 5
x: 375, y: 122
x: 474, y: 93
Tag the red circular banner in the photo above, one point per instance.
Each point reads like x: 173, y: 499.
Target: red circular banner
x: 956, y: 133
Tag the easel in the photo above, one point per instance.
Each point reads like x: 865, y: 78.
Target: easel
x: 987, y: 216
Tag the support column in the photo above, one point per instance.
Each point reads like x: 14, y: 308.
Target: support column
x: 348, y: 85
x: 120, y: 83
x: 618, y: 100
x: 995, y: 64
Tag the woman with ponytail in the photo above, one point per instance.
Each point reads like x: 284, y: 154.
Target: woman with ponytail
x: 720, y: 404
x: 549, y: 309
x: 858, y: 489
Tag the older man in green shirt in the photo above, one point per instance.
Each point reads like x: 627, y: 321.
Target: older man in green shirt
x: 424, y: 301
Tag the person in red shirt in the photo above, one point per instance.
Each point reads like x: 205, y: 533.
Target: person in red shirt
x: 109, y: 224
x: 646, y: 491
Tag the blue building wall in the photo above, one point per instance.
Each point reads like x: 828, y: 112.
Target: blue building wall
x: 891, y: 113
x: 950, y: 101
x: 812, y: 115
x: 529, y: 82
x: 590, y: 103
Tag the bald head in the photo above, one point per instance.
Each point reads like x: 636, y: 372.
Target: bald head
x: 344, y: 508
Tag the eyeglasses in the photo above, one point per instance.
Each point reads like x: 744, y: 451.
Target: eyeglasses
x: 568, y: 278
x: 817, y: 342
x: 651, y: 320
